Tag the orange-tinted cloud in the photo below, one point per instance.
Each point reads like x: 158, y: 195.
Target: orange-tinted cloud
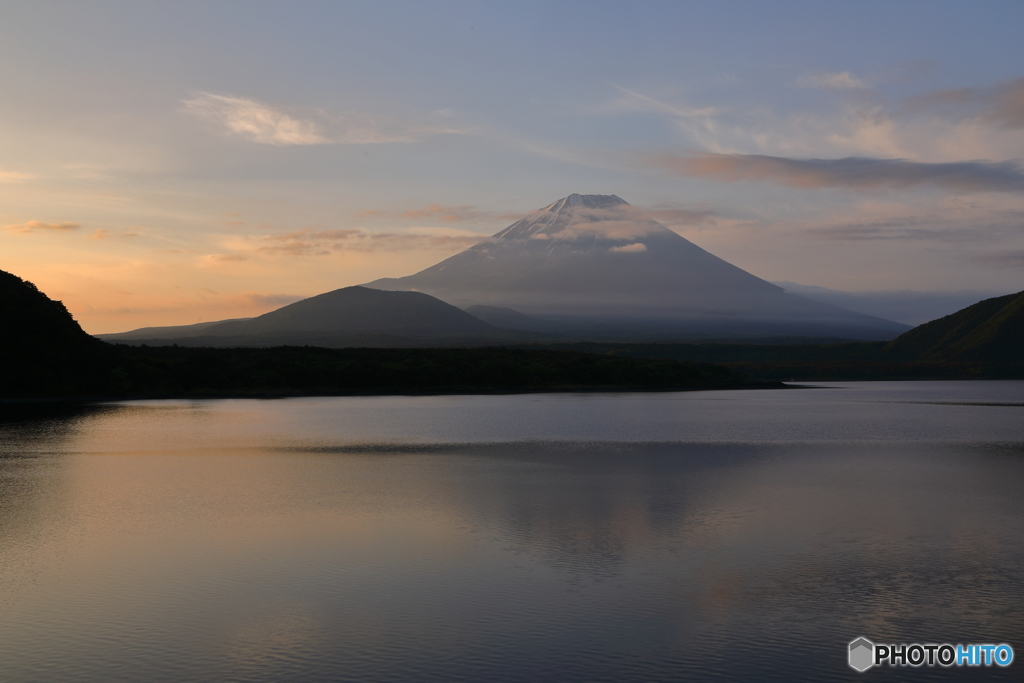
x: 15, y: 177
x: 447, y: 214
x: 444, y: 214
x: 39, y: 226
x: 218, y: 258
x: 323, y: 242
x: 861, y: 173
x: 103, y: 233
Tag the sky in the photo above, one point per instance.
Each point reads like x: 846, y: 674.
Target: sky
x: 174, y: 163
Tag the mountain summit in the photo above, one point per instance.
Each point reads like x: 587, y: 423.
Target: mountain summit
x: 592, y: 261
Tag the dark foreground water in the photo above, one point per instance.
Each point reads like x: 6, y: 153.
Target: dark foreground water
x: 733, y: 536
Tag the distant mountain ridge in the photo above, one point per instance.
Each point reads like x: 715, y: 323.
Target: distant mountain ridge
x: 596, y: 263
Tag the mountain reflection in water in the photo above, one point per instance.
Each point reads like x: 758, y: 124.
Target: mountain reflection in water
x: 734, y: 535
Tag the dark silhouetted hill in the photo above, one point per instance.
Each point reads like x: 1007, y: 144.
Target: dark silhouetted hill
x: 990, y: 331
x: 43, y: 350
x: 46, y: 355
x: 30, y: 318
x: 330, y: 319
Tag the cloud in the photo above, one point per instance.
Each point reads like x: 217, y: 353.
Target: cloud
x: 254, y: 120
x: 456, y: 214
x: 267, y: 300
x: 860, y: 173
x: 634, y: 248
x: 265, y: 124
x: 830, y: 81
x: 324, y: 242
x: 1002, y: 259
x: 966, y: 223
x: 103, y: 233
x: 448, y: 214
x: 1008, y: 105
x: 15, y: 177
x: 444, y: 214
x: 938, y: 127
x: 222, y: 258
x: 37, y: 226
x: 673, y: 214
x: 1001, y: 104
x: 888, y: 230
x: 632, y: 101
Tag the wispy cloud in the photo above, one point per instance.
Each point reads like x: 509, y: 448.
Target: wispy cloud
x: 39, y: 226
x: 832, y: 81
x: 674, y: 214
x: 851, y: 172
x: 15, y: 177
x: 1008, y: 105
x: 104, y: 233
x: 443, y: 214
x: 214, y: 259
x: 635, y: 248
x: 941, y: 126
x: 269, y: 300
x: 951, y: 222
x: 632, y: 101
x: 1001, y: 104
x: 254, y: 120
x: 311, y: 242
x: 263, y: 123
x: 1002, y: 259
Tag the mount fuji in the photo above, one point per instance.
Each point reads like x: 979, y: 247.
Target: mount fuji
x: 595, y: 264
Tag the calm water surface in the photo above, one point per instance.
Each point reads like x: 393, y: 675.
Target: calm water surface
x: 744, y: 535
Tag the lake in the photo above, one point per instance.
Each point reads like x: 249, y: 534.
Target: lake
x: 725, y: 535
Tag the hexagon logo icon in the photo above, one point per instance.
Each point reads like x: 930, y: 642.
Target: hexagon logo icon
x: 862, y: 654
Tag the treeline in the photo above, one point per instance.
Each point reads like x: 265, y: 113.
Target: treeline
x: 155, y: 372
x: 811, y: 362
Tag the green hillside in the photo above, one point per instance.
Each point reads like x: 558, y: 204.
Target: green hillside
x: 989, y: 331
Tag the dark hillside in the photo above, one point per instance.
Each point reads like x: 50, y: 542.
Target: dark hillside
x: 321, y: 319
x: 29, y: 318
x: 44, y: 351
x: 295, y: 371
x: 989, y: 331
x: 46, y: 355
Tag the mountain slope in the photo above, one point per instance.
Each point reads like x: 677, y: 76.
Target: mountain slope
x: 30, y: 319
x: 343, y: 312
x: 44, y: 351
x: 989, y: 331
x: 596, y: 260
